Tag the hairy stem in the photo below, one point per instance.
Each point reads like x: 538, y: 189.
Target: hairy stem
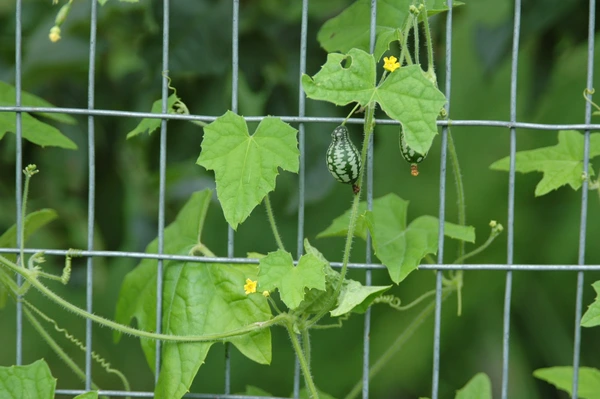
x: 430, y: 66
x: 306, y: 345
x: 271, y: 217
x: 310, y: 384
x: 393, y: 349
x: 404, y: 53
x: 480, y: 249
x: 368, y: 130
x: 30, y: 278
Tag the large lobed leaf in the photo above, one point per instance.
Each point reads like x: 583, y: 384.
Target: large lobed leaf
x: 197, y: 299
x: 561, y: 164
x: 399, y: 246
x: 31, y: 381
x: 352, y: 27
x: 246, y: 166
x: 406, y: 95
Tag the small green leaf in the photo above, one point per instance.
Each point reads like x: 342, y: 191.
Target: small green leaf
x: 8, y: 95
x: 406, y: 95
x: 32, y: 381
x: 560, y: 164
x: 562, y: 378
x: 246, y: 166
x: 277, y: 271
x: 35, y: 131
x: 149, y: 125
x: 591, y: 317
x: 137, y: 298
x: 478, y: 387
x: 356, y: 297
x: 206, y: 299
x: 352, y: 27
x: 33, y: 222
x: 87, y: 395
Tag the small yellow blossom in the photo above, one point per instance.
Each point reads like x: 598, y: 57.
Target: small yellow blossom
x: 266, y: 294
x: 391, y: 63
x: 250, y: 286
x: 54, y: 34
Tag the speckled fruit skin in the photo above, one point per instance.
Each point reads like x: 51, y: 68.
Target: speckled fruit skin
x: 343, y: 159
x: 410, y: 155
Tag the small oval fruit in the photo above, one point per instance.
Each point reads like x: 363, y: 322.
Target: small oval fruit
x: 410, y: 155
x: 343, y: 159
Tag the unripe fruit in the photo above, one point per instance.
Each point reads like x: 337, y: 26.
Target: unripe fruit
x: 343, y: 159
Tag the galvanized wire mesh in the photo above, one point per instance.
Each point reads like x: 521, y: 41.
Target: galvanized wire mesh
x: 301, y: 119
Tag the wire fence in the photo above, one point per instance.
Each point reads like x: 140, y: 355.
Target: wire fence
x: 301, y: 119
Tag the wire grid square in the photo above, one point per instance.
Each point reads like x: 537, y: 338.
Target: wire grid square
x: 301, y: 119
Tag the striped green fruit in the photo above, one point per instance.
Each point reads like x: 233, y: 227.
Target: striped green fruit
x: 343, y: 159
x: 410, y: 155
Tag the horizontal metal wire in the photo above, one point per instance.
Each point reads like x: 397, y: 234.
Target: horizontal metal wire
x: 298, y: 119
x: 246, y: 261
x: 141, y: 394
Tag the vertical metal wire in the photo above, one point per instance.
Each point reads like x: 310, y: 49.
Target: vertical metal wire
x: 584, y: 200
x: 19, y: 169
x: 162, y: 168
x: 91, y: 196
x: 511, y: 199
x: 235, y: 63
x: 442, y: 213
x: 368, y: 250
x: 302, y: 168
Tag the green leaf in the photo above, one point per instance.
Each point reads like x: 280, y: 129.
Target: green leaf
x: 356, y: 297
x: 246, y: 166
x: 33, y: 222
x: 31, y: 381
x: 562, y: 378
x: 406, y: 95
x: 137, y: 298
x: 87, y: 395
x: 149, y: 125
x: 387, y: 206
x: 478, y: 387
x: 352, y: 27
x: 560, y: 164
x: 591, y: 317
x: 255, y: 391
x: 205, y: 299
x: 35, y: 131
x: 277, y: 271
x: 8, y: 95
x: 398, y: 246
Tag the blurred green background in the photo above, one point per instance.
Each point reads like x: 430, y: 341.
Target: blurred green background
x: 552, y: 76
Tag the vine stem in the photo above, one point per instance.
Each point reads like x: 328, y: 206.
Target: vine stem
x: 272, y: 222
x: 30, y: 277
x: 430, y: 66
x: 368, y: 130
x: 310, y: 384
x: 397, y: 345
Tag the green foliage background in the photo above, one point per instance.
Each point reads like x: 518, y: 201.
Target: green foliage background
x: 552, y: 71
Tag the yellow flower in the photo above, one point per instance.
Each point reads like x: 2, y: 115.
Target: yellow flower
x: 54, y: 34
x: 266, y: 294
x: 391, y: 63
x: 250, y: 286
